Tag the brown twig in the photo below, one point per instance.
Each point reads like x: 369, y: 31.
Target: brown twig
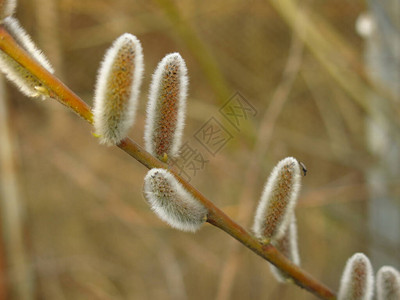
x: 57, y: 90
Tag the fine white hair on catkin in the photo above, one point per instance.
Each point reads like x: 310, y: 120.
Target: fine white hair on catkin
x: 28, y: 83
x: 388, y: 283
x: 278, y: 200
x: 117, y: 89
x: 357, y: 280
x: 25, y: 41
x: 7, y: 9
x: 171, y: 202
x: 288, y: 246
x: 166, y: 107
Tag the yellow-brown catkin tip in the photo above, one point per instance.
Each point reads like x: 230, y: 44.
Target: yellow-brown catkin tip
x: 278, y: 200
x: 388, y: 283
x: 117, y: 89
x: 171, y: 202
x: 166, y: 107
x: 357, y: 279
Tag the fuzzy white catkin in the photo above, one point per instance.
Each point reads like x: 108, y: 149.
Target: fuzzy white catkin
x: 171, y: 202
x: 117, y: 89
x: 278, y: 200
x: 21, y: 77
x: 166, y: 107
x: 357, y: 279
x: 7, y: 8
x: 388, y: 283
x: 288, y: 246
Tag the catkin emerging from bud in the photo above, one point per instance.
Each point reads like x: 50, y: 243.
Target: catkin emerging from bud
x: 171, y: 202
x: 117, y: 89
x: 288, y: 246
x: 388, y: 283
x: 7, y: 8
x: 278, y: 200
x: 166, y: 107
x: 357, y: 279
x: 29, y: 84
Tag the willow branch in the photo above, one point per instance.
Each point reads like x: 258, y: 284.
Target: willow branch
x: 57, y: 90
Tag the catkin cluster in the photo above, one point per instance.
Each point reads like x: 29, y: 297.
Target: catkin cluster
x: 357, y: 282
x: 116, y: 98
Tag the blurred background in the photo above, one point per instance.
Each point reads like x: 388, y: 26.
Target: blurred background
x: 317, y: 80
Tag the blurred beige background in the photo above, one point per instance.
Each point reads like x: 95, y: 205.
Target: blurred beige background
x: 89, y: 233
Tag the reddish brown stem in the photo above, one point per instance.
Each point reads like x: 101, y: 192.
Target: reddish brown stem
x: 216, y: 217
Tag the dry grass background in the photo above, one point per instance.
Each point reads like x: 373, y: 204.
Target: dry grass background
x: 90, y: 233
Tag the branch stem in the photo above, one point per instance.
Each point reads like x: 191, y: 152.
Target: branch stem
x: 57, y: 90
